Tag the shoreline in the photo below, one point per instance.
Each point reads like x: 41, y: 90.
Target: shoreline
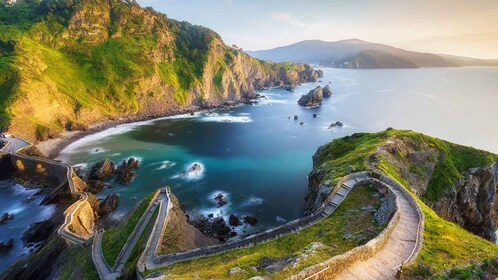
x: 52, y: 147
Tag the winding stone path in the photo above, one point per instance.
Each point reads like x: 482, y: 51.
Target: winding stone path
x: 104, y: 270
x: 399, y: 248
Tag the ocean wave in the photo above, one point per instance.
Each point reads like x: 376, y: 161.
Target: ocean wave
x: 251, y: 201
x: 190, y: 175
x: 226, y: 118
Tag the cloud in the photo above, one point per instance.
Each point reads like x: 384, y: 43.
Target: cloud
x: 286, y: 18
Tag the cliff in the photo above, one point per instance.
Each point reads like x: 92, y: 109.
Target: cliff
x: 459, y: 183
x: 456, y: 187
x: 67, y: 64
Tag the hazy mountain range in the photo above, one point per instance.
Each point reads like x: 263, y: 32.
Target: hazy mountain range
x: 356, y: 53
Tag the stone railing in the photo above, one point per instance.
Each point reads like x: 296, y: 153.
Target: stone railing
x: 294, y: 226
x: 137, y: 231
x: 414, y: 204
x: 337, y: 264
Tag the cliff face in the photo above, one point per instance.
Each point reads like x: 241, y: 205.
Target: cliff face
x: 72, y: 63
x: 459, y: 183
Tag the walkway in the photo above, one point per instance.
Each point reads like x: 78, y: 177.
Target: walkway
x: 399, y: 248
x: 402, y: 245
x: 103, y: 268
x: 13, y: 144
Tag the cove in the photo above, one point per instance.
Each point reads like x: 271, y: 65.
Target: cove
x: 259, y: 158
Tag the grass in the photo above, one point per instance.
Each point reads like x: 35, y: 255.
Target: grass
x: 446, y: 244
x: 131, y: 263
x: 115, y: 238
x: 80, y: 265
x: 348, y: 218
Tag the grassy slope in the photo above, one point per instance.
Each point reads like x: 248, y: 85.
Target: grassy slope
x: 328, y: 231
x: 115, y: 238
x: 445, y: 244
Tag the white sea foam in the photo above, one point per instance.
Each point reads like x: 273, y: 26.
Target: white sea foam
x: 280, y: 219
x: 163, y: 164
x: 226, y: 118
x: 192, y: 175
x: 252, y: 200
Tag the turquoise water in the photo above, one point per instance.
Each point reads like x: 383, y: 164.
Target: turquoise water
x: 260, y: 159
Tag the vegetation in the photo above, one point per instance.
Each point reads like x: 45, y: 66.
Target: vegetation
x: 348, y: 218
x: 115, y: 238
x: 446, y: 245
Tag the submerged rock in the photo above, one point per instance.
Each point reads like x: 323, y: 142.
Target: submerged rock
x: 313, y: 98
x: 220, y: 200
x: 234, y: 220
x: 7, y: 245
x: 295, y: 117
x: 250, y: 220
x: 6, y: 217
x: 315, y: 116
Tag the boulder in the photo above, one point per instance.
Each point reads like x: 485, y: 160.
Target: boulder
x: 125, y: 171
x: 326, y: 91
x: 6, y: 217
x: 313, y: 98
x: 101, y: 170
x: 236, y: 270
x: 220, y: 200
x: 250, y: 220
x: 95, y: 186
x: 7, y: 245
x: 108, y: 204
x: 233, y: 220
x: 38, y: 232
x: 336, y: 124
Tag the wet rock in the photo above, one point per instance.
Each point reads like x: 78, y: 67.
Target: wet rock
x: 233, y: 220
x: 295, y: 117
x: 315, y: 116
x: 216, y: 227
x: 108, y: 204
x: 38, y: 232
x: 288, y: 87
x: 220, y: 200
x: 95, y: 186
x: 250, y: 220
x: 125, y: 171
x: 313, y: 98
x: 301, y: 123
x: 6, y: 217
x: 195, y: 168
x: 336, y: 124
x: 326, y: 91
x: 7, y: 245
x: 101, y: 170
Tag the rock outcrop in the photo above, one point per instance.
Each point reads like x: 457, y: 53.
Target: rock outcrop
x: 313, y: 98
x: 98, y: 174
x: 108, y: 204
x: 5, y: 217
x: 125, y: 171
x: 6, y: 245
x: 326, y: 91
x: 473, y: 202
x: 38, y: 232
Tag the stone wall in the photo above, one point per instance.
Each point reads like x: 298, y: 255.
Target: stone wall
x: 262, y: 237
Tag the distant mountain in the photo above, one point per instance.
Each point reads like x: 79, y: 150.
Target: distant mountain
x: 356, y: 53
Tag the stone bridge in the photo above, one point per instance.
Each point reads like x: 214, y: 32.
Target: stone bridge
x: 79, y: 218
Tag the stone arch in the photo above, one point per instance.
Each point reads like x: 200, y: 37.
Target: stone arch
x: 20, y: 165
x: 40, y: 168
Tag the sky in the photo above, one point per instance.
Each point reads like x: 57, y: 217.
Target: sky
x: 457, y: 27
